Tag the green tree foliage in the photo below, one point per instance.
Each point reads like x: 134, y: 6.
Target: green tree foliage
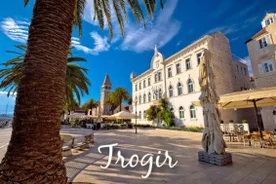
x: 161, y: 112
x: 119, y: 95
x: 76, y: 81
x: 90, y: 104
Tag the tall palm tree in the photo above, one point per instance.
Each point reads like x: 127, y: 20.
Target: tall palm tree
x: 34, y: 151
x: 90, y: 105
x: 111, y: 102
x: 120, y: 94
x: 76, y: 81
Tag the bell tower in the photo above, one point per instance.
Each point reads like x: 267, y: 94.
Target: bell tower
x: 105, y: 91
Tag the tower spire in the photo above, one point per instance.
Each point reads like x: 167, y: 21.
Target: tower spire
x: 106, y: 81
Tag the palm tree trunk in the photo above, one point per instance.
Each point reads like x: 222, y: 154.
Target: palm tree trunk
x: 34, y: 151
x: 121, y: 104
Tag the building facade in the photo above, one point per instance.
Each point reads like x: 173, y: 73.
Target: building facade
x: 176, y: 78
x: 262, y: 51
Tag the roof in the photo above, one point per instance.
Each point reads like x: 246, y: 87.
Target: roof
x: 256, y: 35
x: 106, y: 81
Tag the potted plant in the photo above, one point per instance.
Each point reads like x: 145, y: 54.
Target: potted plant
x: 244, y: 121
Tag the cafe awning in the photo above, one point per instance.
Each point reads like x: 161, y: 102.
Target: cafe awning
x: 123, y: 115
x: 263, y: 97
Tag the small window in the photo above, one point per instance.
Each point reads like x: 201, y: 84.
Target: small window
x: 190, y: 86
x: 135, y: 87
x: 140, y: 86
x: 156, y: 95
x: 140, y: 99
x: 181, y: 112
x: 263, y: 42
x: 144, y: 98
x: 268, y: 67
x: 144, y: 115
x: 169, y: 72
x: 238, y: 68
x: 149, y: 82
x: 188, y: 64
x: 178, y: 69
x: 160, y: 93
x: 198, y: 56
x: 170, y: 91
x: 144, y: 83
x: 140, y: 114
x: 155, y: 77
x: 149, y: 97
x: 245, y: 72
x: 159, y: 76
x: 192, y: 112
x: 269, y: 21
x: 172, y: 111
x: 179, y: 89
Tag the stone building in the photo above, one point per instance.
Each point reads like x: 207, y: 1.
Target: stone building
x: 176, y: 78
x: 262, y: 50
x: 103, y: 108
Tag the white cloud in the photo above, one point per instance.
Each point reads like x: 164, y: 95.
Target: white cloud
x: 159, y: 31
x: 15, y: 29
x: 5, y: 93
x: 100, y: 44
x: 224, y: 29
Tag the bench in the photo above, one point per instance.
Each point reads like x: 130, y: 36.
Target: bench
x: 69, y: 143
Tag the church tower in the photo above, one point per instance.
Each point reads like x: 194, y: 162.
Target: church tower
x: 105, y: 91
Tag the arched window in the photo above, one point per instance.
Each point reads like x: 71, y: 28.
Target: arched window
x: 181, y: 112
x: 172, y: 111
x: 136, y: 100
x: 155, y: 95
x: 170, y: 91
x: 160, y: 93
x: 179, y: 89
x: 149, y: 97
x: 140, y: 115
x: 188, y: 64
x: 140, y: 99
x: 169, y: 72
x: 144, y: 84
x: 159, y: 76
x: 190, y: 84
x: 155, y: 77
x: 192, y: 112
x: 144, y: 98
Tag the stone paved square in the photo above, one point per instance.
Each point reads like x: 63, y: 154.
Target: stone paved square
x: 250, y: 164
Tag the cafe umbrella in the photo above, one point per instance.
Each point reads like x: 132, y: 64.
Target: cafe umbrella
x: 212, y: 140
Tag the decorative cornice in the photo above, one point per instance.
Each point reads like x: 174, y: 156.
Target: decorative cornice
x: 141, y: 75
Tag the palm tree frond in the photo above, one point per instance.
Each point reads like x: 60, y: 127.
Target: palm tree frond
x: 78, y: 13
x: 26, y: 2
x: 119, y: 15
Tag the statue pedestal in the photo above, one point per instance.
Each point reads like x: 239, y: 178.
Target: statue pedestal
x: 215, y: 159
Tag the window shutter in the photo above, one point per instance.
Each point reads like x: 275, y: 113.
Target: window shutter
x: 263, y: 24
x: 271, y: 63
x: 260, y: 68
x: 268, y: 39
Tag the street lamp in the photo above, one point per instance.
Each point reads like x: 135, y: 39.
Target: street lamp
x: 135, y: 102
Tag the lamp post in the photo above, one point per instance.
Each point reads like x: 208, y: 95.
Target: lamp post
x: 135, y: 102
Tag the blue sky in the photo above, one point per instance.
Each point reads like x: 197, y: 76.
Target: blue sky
x: 177, y: 25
